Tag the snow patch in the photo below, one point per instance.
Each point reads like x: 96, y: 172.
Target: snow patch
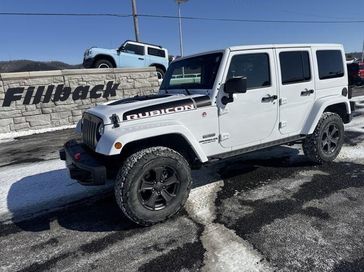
x: 33, y: 188
x: 225, y: 251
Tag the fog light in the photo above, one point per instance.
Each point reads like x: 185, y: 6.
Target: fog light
x: 118, y: 145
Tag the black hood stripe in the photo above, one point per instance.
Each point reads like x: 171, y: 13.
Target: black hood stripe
x: 168, y: 108
x: 202, y: 101
x: 138, y: 98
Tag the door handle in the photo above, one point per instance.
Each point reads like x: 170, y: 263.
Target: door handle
x: 269, y: 98
x: 307, y: 92
x: 140, y: 58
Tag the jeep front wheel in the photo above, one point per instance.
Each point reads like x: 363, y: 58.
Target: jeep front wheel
x: 103, y: 64
x: 327, y: 139
x: 153, y: 185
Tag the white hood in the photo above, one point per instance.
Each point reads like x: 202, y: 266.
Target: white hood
x: 139, y: 107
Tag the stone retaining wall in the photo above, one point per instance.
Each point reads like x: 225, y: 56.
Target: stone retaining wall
x: 50, y: 99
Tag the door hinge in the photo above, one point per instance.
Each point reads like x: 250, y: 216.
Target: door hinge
x: 224, y: 136
x: 283, y: 101
x: 223, y: 111
x: 282, y: 124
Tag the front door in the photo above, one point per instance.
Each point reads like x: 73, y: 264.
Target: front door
x: 133, y: 55
x: 296, y: 87
x: 252, y: 116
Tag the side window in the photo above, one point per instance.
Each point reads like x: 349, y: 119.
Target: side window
x: 134, y: 49
x: 156, y: 52
x: 295, y: 66
x: 255, y: 67
x: 330, y: 64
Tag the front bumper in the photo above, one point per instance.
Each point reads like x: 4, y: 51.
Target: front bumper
x: 83, y: 165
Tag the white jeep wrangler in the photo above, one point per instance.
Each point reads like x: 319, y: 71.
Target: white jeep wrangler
x: 212, y: 106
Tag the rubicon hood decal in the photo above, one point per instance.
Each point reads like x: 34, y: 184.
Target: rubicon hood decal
x: 186, y: 104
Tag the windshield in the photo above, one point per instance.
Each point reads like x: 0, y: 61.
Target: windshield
x: 192, y: 73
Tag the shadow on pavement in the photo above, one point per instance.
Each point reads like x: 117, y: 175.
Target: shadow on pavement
x: 102, y: 215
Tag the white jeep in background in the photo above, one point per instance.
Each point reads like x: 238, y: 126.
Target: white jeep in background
x: 212, y: 106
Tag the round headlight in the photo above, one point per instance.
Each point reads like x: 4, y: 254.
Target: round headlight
x: 101, y: 129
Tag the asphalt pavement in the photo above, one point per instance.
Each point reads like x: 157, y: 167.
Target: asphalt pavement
x: 267, y: 211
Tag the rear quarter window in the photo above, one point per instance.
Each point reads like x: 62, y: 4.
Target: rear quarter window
x: 330, y: 64
x: 156, y: 52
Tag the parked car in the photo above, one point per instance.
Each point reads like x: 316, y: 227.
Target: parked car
x: 129, y: 54
x: 210, y: 107
x: 361, y: 70
x: 354, y: 74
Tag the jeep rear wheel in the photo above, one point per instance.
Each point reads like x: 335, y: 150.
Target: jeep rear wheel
x: 103, y: 64
x: 327, y: 139
x: 153, y: 185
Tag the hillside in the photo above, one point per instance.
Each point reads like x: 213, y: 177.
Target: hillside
x: 30, y: 65
x: 353, y: 55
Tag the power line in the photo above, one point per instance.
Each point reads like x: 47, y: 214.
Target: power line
x: 66, y: 14
x: 255, y: 20
x: 185, y: 18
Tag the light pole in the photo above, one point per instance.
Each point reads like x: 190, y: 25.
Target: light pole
x: 179, y: 2
x: 135, y: 17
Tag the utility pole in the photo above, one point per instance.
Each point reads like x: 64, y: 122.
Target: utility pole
x: 179, y: 2
x: 362, y: 53
x: 135, y: 18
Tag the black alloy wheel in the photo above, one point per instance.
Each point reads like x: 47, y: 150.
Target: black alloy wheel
x: 330, y: 139
x: 325, y: 143
x: 158, y: 188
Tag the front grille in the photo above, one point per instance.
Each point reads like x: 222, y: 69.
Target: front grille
x: 89, y: 129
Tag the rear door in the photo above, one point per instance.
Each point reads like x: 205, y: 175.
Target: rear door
x: 296, y: 85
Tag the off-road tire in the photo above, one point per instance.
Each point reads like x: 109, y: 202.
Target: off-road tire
x: 160, y: 73
x: 103, y: 62
x: 312, y: 145
x: 132, y: 174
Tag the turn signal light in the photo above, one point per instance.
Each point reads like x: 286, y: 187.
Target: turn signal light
x: 118, y: 145
x: 77, y: 156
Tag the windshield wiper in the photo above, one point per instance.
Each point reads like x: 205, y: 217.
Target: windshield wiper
x: 187, y: 91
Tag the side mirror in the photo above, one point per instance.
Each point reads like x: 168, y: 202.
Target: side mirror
x: 234, y: 85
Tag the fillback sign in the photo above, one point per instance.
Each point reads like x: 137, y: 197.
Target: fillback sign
x: 56, y: 93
